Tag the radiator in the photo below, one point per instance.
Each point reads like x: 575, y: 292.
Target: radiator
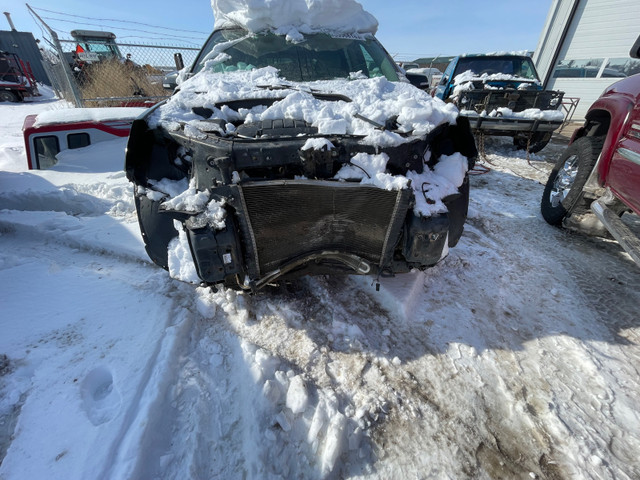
x: 289, y: 220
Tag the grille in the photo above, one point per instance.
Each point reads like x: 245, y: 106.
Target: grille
x: 516, y: 100
x: 292, y: 219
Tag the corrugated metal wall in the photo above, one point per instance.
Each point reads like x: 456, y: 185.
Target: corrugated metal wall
x: 599, y: 31
x: 24, y: 44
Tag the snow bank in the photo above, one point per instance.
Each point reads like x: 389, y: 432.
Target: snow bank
x: 293, y: 17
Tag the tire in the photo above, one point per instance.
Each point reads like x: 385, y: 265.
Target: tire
x: 563, y: 191
x: 538, y: 141
x: 8, y: 96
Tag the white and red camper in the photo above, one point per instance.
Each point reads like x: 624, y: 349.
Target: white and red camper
x: 51, y: 132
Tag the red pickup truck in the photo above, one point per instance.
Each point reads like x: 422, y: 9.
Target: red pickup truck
x: 598, y: 175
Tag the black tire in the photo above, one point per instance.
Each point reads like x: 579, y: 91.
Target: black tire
x: 563, y: 191
x: 8, y: 96
x: 538, y: 141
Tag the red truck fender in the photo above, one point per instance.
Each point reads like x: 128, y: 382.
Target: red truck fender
x: 617, y: 109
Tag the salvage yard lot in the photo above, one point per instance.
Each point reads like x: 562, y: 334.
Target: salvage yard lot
x: 516, y: 357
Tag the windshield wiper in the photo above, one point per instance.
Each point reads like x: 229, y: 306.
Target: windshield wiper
x: 319, y: 94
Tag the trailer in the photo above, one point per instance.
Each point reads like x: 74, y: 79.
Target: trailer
x: 16, y: 79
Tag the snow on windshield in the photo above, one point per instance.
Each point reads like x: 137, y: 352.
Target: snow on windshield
x: 470, y: 75
x: 464, y: 81
x: 290, y: 16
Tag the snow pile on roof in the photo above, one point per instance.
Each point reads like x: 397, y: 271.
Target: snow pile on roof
x: 291, y: 16
x: 376, y: 99
x: 72, y: 115
x: 515, y: 53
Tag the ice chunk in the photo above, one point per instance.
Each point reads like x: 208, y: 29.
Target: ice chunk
x: 333, y: 442
x: 268, y: 363
x: 272, y: 391
x: 318, y: 421
x: 297, y: 397
x: 283, y: 421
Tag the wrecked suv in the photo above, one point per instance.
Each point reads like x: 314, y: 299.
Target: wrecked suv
x: 278, y: 158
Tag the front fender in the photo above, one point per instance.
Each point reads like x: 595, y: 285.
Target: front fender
x: 618, y: 108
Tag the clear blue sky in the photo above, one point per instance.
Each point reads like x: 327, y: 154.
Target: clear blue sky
x: 408, y: 28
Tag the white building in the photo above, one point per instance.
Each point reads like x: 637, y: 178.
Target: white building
x: 584, y: 47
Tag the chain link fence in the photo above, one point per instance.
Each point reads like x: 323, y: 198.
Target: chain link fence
x: 124, y: 74
x: 90, y: 69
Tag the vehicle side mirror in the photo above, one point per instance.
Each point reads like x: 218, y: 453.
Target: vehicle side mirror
x: 635, y: 50
x: 177, y: 58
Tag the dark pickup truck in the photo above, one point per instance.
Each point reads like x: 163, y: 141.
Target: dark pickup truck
x: 502, y: 95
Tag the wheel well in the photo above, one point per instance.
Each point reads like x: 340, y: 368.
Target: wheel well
x: 597, y: 123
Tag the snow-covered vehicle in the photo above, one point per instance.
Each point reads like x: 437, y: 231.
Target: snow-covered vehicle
x: 284, y: 154
x: 502, y: 95
x: 433, y: 74
x: 54, y: 131
x: 598, y: 175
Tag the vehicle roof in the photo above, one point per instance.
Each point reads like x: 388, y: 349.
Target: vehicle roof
x: 495, y: 55
x: 92, y: 33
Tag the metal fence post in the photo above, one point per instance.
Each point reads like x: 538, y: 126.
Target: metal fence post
x: 96, y: 72
x: 68, y: 77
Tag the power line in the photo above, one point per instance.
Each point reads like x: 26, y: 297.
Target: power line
x: 181, y: 37
x: 117, y: 20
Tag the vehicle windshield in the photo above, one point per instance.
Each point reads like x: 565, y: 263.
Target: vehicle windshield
x: 521, y: 67
x: 318, y: 57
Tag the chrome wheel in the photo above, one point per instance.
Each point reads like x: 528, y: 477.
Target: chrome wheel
x: 563, y: 190
x: 564, y: 181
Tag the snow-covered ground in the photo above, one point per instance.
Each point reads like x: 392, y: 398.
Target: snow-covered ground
x: 516, y: 357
